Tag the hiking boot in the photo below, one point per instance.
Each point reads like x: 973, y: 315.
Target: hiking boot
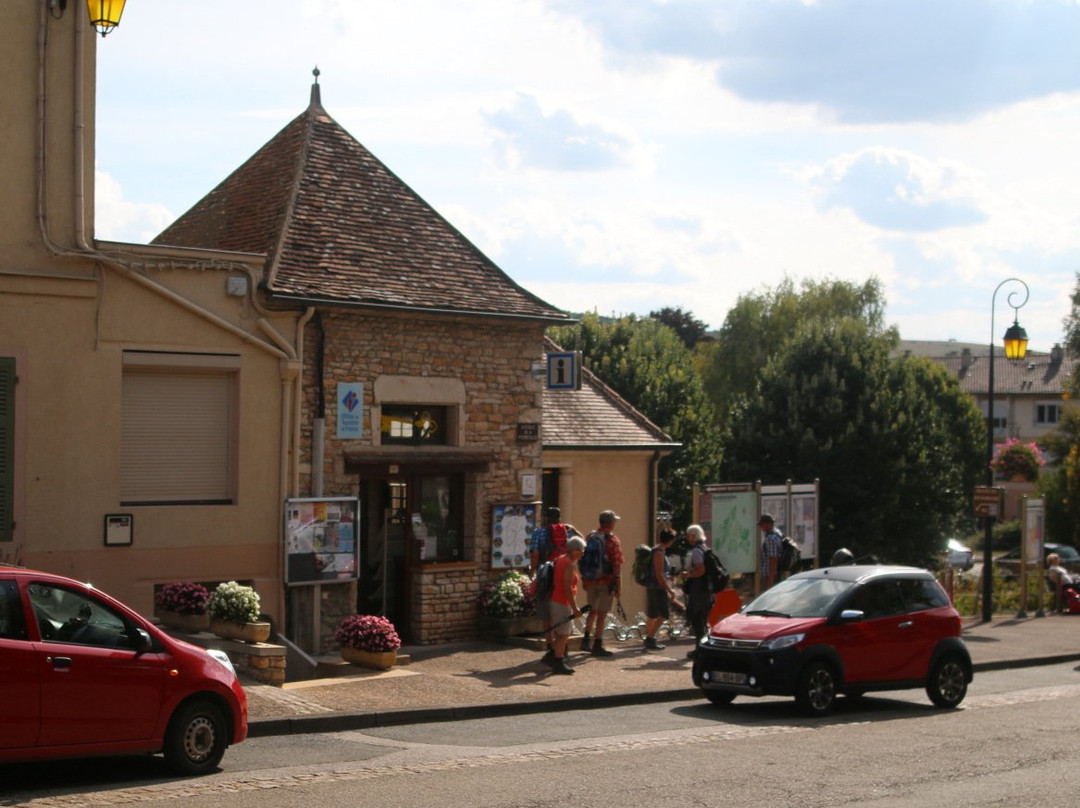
x: 560, y: 667
x: 652, y: 645
x: 600, y: 650
x: 585, y: 640
x: 549, y: 658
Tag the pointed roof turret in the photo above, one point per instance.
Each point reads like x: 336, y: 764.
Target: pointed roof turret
x: 339, y: 227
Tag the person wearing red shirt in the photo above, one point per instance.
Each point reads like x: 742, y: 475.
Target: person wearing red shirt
x: 564, y: 601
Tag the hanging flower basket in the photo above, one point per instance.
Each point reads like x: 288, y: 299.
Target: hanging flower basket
x: 1017, y: 461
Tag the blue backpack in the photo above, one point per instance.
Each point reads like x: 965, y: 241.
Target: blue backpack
x: 594, y: 563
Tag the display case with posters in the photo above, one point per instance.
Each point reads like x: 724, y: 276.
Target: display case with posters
x: 512, y: 524
x: 321, y: 540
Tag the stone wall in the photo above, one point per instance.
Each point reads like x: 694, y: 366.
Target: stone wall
x: 493, y: 360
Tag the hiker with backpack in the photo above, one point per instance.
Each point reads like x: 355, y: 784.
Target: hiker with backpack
x: 564, y: 602
x: 772, y: 546
x: 658, y: 591
x: 547, y: 543
x: 698, y: 589
x: 600, y: 568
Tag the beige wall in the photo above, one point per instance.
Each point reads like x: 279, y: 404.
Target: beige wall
x: 595, y: 481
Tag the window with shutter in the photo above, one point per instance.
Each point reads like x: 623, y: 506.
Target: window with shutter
x: 179, y: 426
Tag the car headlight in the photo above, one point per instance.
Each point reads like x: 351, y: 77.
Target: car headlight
x: 788, y: 640
x: 223, y: 658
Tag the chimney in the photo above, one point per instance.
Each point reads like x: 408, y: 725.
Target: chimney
x: 965, y: 360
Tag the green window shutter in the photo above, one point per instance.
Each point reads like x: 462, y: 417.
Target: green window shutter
x: 7, y: 448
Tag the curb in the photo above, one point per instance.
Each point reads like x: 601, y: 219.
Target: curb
x: 340, y: 722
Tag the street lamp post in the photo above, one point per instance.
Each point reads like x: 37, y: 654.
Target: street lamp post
x: 1015, y: 349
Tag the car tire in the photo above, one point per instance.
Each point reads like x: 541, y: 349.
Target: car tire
x: 719, y: 697
x: 947, y: 684
x: 815, y: 692
x: 196, y: 738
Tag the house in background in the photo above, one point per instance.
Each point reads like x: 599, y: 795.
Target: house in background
x: 1029, y: 398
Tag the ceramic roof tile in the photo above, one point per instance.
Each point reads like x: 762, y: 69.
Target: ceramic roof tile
x: 1035, y: 375
x: 340, y: 227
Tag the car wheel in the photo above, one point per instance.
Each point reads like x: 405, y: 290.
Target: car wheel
x: 195, y: 740
x: 719, y: 697
x: 947, y: 684
x: 816, y: 690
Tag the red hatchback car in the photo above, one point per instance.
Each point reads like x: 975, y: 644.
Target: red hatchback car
x: 848, y: 629
x: 84, y: 676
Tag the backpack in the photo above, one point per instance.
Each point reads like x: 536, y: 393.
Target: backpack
x: 545, y: 580
x: 715, y: 572
x: 790, y: 556
x: 643, y: 569
x: 594, y: 562
x: 558, y: 539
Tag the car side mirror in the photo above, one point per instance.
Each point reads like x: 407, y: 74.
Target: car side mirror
x: 851, y: 616
x: 140, y: 640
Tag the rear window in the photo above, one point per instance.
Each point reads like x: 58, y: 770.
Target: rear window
x: 920, y: 595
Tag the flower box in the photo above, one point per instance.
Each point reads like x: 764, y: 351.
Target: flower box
x: 502, y: 628
x: 244, y: 632
x: 379, y: 660
x: 187, y: 623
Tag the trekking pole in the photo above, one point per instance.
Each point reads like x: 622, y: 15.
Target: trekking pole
x: 584, y: 610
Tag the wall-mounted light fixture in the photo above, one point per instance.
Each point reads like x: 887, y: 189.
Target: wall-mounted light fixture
x: 105, y: 14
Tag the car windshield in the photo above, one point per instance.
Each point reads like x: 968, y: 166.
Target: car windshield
x: 799, y: 597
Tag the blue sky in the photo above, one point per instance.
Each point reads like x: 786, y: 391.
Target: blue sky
x: 624, y: 155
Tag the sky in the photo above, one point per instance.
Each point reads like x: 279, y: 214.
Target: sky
x: 626, y: 155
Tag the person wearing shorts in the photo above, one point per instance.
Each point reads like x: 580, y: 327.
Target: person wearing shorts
x: 658, y: 593
x: 564, y: 602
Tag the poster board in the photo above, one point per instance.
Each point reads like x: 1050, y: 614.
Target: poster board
x: 795, y: 508
x: 728, y: 514
x: 512, y: 524
x: 321, y: 540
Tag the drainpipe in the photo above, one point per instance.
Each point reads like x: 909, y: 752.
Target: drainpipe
x: 318, y: 427
x: 654, y: 477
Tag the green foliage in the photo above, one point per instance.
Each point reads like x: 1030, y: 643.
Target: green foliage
x: 690, y: 329
x: 760, y: 325
x: 1072, y: 336
x: 1061, y: 485
x: 896, y: 443
x: 646, y: 363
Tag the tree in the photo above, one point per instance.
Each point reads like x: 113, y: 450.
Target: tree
x: 895, y: 442
x: 1061, y: 485
x: 690, y: 329
x: 646, y: 363
x: 760, y: 324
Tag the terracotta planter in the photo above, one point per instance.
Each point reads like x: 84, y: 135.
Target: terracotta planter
x: 244, y: 632
x: 188, y: 623
x: 379, y: 660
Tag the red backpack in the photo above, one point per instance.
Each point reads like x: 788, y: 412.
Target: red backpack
x: 558, y: 540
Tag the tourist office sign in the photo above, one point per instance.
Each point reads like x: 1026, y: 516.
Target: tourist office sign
x: 987, y: 501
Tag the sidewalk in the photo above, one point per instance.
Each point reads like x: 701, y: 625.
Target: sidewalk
x: 480, y: 679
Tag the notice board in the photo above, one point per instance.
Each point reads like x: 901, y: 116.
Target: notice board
x: 321, y: 540
x: 512, y: 524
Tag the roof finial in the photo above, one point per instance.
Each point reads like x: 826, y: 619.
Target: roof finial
x: 316, y: 96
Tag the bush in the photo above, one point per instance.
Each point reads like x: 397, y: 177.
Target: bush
x: 183, y: 597
x: 234, y: 603
x: 368, y: 632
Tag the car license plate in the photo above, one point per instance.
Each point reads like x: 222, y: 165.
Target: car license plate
x: 728, y: 678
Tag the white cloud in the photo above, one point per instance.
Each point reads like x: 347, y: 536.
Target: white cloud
x: 114, y: 214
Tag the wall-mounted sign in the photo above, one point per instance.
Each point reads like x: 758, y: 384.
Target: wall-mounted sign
x: 564, y: 370
x: 118, y: 529
x: 528, y: 432
x: 350, y: 410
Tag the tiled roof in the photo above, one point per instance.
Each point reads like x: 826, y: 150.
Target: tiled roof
x: 1035, y: 375
x: 340, y: 227
x: 596, y: 417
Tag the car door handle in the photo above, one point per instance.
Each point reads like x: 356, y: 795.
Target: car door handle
x: 907, y: 624
x: 59, y: 661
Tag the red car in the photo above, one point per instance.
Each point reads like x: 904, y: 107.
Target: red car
x: 84, y: 676
x: 847, y: 629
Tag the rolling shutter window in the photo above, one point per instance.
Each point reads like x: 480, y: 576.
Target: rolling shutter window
x: 177, y: 438
x: 7, y: 448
